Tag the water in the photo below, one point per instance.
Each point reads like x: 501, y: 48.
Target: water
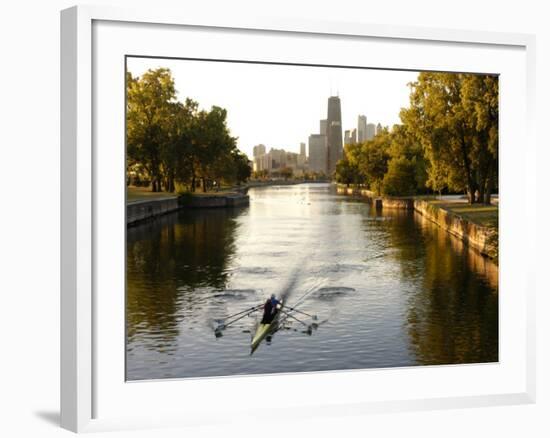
x: 389, y: 288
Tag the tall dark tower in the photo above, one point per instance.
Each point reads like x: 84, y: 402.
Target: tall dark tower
x: 334, y: 134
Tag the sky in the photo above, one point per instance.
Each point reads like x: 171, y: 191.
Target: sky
x: 280, y: 105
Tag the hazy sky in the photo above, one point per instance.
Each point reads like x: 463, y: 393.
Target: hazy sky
x: 279, y: 105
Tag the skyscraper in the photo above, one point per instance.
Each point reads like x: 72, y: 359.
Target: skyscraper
x: 258, y: 150
x: 378, y: 129
x: 302, y: 156
x: 347, y: 137
x: 350, y: 137
x: 260, y: 160
x: 370, y: 131
x: 334, y: 134
x: 318, y: 153
x: 361, y: 128
x: 323, y: 127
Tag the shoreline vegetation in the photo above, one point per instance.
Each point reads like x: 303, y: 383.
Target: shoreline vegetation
x: 447, y: 142
x: 175, y: 146
x: 138, y: 194
x: 474, y: 224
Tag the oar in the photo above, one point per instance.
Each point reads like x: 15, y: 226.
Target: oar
x: 244, y: 311
x: 314, y: 317
x: 243, y: 314
x: 299, y: 320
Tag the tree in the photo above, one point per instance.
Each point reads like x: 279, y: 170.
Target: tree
x: 480, y: 100
x: 400, y: 179
x: 243, y: 169
x: 373, y: 160
x: 149, y: 107
x: 232, y: 168
x: 176, y: 159
x: 347, y: 169
x: 436, y: 119
x: 344, y: 172
x: 403, y: 144
x: 455, y: 118
x: 212, y: 144
x: 286, y: 173
x: 438, y: 177
x: 260, y: 174
x: 176, y: 142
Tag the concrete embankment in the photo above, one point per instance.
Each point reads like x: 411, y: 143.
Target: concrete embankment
x: 269, y: 183
x: 215, y: 201
x: 377, y: 201
x: 142, y: 210
x: 482, y: 239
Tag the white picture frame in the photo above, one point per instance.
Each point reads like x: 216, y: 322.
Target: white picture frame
x: 92, y: 393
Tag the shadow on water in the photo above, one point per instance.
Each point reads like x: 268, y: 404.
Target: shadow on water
x: 452, y: 311
x: 179, y: 256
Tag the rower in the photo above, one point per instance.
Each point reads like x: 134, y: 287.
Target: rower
x: 270, y: 309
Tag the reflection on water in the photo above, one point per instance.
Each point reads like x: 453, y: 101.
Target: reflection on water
x: 389, y: 288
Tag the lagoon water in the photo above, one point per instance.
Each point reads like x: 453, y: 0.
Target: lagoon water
x: 389, y: 288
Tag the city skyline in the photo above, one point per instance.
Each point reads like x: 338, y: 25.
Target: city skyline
x: 260, y: 97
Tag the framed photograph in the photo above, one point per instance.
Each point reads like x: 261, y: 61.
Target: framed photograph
x: 255, y: 207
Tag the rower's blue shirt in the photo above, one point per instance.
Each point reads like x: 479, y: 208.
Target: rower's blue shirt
x: 274, y: 301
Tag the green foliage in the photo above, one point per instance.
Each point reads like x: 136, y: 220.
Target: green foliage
x: 345, y: 172
x: 286, y: 173
x: 373, y: 160
x: 260, y: 174
x: 409, y: 162
x: 400, y: 180
x: 455, y: 119
x: 149, y: 104
x: 242, y: 165
x: 448, y: 140
x: 174, y: 143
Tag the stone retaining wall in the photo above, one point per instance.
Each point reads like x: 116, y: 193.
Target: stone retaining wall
x: 369, y: 196
x: 378, y: 201
x: 482, y: 239
x: 141, y: 210
x: 205, y: 201
x: 400, y: 203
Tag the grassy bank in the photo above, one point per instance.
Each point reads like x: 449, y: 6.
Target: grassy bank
x: 484, y: 215
x: 145, y: 194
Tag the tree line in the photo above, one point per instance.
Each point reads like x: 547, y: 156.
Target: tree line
x: 447, y: 141
x: 171, y: 143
